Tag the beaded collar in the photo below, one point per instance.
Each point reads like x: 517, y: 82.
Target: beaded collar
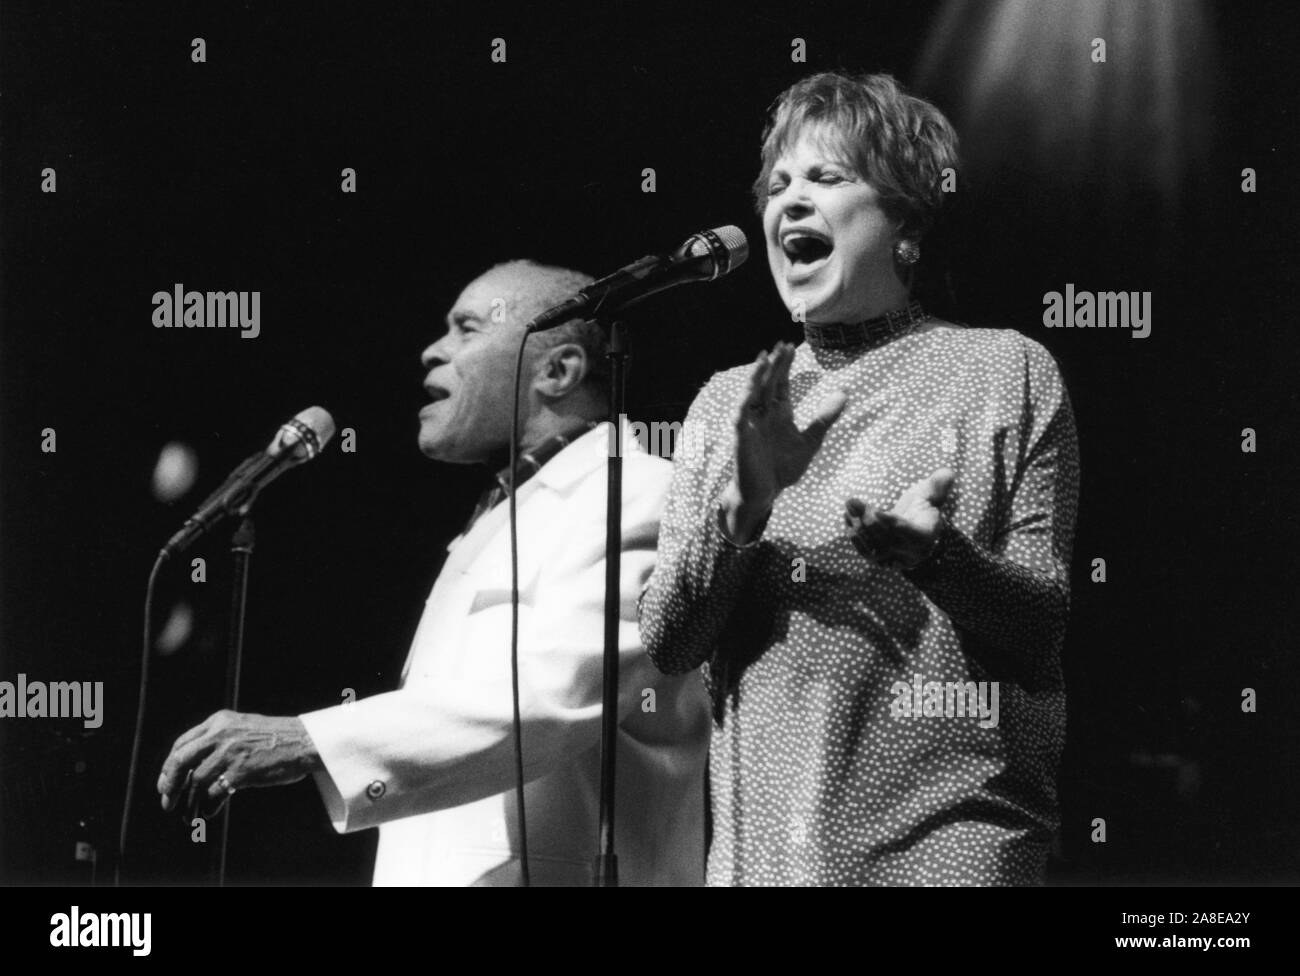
x: 869, y: 333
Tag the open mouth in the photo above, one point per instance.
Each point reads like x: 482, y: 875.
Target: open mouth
x: 804, y: 248
x: 436, y: 395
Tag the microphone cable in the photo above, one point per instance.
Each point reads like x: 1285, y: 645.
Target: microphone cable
x: 514, y: 618
x: 134, y: 764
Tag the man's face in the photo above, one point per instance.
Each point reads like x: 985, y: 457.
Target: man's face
x: 471, y: 372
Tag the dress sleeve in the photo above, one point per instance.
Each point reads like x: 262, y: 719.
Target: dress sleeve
x: 1015, y: 595
x: 700, y: 572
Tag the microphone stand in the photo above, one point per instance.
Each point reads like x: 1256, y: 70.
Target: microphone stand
x: 241, y: 551
x: 606, y: 861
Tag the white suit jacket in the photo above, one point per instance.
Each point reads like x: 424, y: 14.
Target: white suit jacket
x: 433, y: 762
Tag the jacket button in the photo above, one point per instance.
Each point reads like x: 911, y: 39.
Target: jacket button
x: 376, y: 789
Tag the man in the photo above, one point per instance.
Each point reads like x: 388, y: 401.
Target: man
x: 434, y: 761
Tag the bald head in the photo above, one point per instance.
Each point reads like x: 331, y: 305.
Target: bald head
x: 529, y: 288
x: 538, y: 287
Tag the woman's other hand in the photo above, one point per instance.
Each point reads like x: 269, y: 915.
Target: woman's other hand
x: 905, y: 535
x: 771, y: 452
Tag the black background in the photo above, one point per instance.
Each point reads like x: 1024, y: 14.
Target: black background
x: 226, y: 175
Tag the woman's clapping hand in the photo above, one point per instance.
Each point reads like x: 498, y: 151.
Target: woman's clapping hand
x: 771, y: 452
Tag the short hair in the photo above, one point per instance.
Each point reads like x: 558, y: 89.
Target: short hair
x: 548, y: 285
x: 897, y: 142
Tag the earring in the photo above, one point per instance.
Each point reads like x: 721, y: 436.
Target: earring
x: 906, y: 252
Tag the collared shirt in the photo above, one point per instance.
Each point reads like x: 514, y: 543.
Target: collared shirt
x: 528, y: 464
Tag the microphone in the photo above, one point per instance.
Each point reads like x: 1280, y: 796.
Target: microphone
x: 704, y: 256
x: 299, y: 439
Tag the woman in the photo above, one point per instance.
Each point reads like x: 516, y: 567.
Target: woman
x: 867, y: 540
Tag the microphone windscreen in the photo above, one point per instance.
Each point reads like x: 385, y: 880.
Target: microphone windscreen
x: 737, y: 245
x: 724, y: 249
x: 306, y: 434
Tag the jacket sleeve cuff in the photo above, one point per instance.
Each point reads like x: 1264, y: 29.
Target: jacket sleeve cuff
x: 341, y: 792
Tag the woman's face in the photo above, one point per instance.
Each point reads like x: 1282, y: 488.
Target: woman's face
x: 829, y: 243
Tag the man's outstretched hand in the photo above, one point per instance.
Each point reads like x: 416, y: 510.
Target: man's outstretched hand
x: 233, y: 751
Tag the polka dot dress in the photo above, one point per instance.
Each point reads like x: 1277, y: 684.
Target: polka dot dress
x: 834, y: 759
